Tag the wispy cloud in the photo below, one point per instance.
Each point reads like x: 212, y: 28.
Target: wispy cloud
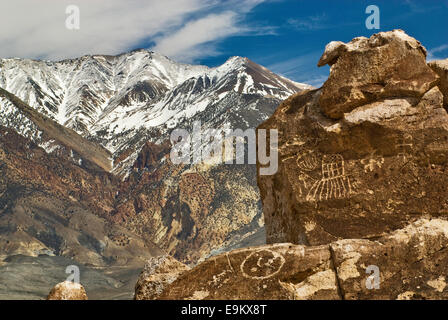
x: 184, y: 29
x: 189, y: 42
x: 316, y: 22
x: 434, y: 53
x: 302, y: 69
x: 415, y: 7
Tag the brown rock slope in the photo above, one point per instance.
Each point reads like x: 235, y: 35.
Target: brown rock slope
x: 379, y: 166
x: 49, y: 205
x: 90, y: 151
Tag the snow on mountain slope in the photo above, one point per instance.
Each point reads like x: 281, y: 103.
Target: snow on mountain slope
x: 121, y: 101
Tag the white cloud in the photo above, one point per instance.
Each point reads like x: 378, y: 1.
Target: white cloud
x: 188, y: 42
x: 185, y: 29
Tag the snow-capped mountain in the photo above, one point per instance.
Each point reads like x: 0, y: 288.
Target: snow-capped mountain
x: 122, y: 101
x: 95, y: 132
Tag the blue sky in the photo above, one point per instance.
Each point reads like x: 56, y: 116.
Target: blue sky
x: 301, y: 29
x: 287, y: 36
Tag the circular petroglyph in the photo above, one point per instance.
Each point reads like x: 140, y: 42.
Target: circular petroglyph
x: 262, y: 264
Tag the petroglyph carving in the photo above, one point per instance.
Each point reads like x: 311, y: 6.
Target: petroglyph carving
x: 334, y: 183
x: 404, y: 145
x: 307, y: 161
x: 306, y: 179
x: 372, y: 162
x: 262, y: 264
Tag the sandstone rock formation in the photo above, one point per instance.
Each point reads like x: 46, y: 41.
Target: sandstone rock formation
x: 409, y: 263
x: 157, y: 274
x: 441, y: 68
x: 364, y: 155
x: 68, y: 290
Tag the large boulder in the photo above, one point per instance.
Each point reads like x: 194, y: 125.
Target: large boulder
x: 377, y: 168
x: 68, y: 290
x: 156, y: 275
x: 409, y: 263
x: 388, y: 64
x: 281, y: 271
x: 441, y: 68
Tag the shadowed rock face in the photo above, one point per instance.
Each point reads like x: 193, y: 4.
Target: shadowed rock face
x: 389, y: 64
x: 378, y: 167
x: 409, y: 263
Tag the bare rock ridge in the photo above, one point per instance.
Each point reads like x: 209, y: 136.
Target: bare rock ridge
x: 357, y: 207
x: 89, y: 150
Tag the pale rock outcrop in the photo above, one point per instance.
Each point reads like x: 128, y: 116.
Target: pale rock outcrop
x: 388, y: 64
x: 68, y: 290
x: 411, y: 263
